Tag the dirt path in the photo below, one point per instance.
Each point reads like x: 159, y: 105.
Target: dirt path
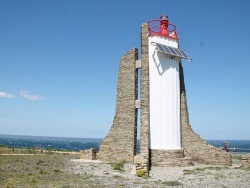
x: 4, y: 154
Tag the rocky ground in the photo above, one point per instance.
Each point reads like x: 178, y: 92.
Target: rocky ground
x: 30, y: 169
x: 103, y: 175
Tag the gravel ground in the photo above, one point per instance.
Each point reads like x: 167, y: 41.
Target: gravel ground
x: 103, y: 175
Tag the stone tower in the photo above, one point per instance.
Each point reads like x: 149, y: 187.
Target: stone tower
x: 166, y: 137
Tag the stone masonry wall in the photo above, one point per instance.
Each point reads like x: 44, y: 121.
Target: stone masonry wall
x: 143, y: 157
x: 89, y: 154
x: 194, y: 146
x: 246, y: 161
x: 120, y: 143
x: 166, y: 158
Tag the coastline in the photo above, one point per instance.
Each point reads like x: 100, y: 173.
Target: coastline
x: 77, y: 144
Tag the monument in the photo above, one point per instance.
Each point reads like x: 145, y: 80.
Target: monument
x: 166, y: 137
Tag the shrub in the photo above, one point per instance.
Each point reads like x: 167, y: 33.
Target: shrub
x: 140, y: 173
x: 57, y: 170
x: 40, y: 162
x: 172, y: 183
x: 118, y: 166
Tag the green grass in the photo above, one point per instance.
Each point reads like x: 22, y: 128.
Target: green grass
x: 118, y: 166
x: 39, y: 170
x: 49, y: 169
x: 238, y: 157
x: 9, y: 150
x: 200, y: 170
x: 207, y: 171
x: 195, y: 171
x: 172, y: 183
x: 27, y: 150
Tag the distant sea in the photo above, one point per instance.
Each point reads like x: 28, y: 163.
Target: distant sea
x: 76, y: 144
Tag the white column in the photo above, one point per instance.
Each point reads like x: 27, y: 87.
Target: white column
x: 164, y: 86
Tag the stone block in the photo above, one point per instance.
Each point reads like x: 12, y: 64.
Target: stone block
x: 246, y: 161
x: 88, y: 154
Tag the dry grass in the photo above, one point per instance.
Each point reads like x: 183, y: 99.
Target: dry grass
x: 52, y: 170
x: 39, y: 170
x: 200, y: 170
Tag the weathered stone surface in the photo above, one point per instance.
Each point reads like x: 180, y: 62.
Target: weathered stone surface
x: 89, y: 154
x: 120, y: 143
x: 144, y: 127
x: 168, y: 158
x: 193, y: 145
x: 246, y: 161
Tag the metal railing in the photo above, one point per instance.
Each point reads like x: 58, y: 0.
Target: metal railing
x: 154, y: 28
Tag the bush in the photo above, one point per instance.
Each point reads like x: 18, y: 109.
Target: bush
x: 57, y: 170
x: 118, y: 166
x: 40, y: 162
x: 140, y: 173
x: 172, y: 183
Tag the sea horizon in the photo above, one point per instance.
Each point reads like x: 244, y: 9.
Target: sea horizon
x: 102, y: 137
x: 48, y: 136
x: 78, y: 143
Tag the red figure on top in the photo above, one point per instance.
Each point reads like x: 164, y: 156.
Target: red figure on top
x: 164, y: 25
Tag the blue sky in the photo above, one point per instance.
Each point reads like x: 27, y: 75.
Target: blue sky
x: 59, y: 63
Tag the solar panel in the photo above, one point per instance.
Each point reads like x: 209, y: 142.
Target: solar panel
x: 171, y: 51
x: 184, y: 54
x: 167, y: 50
x: 161, y: 48
x: 177, y: 51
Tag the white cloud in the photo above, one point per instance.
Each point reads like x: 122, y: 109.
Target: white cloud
x: 27, y: 95
x: 6, y: 95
